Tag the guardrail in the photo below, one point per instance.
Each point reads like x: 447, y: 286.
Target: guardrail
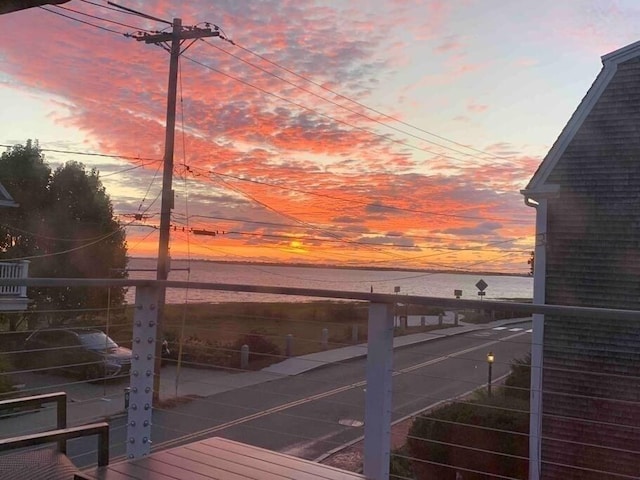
x: 379, y: 413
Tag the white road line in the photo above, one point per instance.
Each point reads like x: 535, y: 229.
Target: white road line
x: 499, y: 328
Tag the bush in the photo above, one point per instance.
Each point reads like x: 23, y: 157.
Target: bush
x: 261, y: 348
x: 441, y: 436
x: 400, y: 465
x: 198, y: 352
x: 6, y: 385
x: 518, y: 383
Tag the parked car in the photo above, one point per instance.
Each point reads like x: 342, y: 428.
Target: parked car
x: 87, y: 353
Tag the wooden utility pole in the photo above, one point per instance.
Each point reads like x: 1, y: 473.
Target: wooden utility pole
x: 176, y: 38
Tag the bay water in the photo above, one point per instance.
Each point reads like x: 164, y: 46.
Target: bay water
x: 341, y: 279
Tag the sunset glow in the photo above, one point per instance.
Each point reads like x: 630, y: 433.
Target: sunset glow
x: 381, y: 132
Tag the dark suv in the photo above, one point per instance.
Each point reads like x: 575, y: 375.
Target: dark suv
x: 88, y: 353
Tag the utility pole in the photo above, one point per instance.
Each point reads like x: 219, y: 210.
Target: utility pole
x: 177, y: 36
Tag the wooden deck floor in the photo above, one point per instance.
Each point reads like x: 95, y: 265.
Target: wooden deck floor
x: 220, y: 459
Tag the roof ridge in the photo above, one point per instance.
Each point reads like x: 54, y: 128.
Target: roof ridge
x: 622, y: 54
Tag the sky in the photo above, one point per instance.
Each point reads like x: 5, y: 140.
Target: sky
x: 385, y: 133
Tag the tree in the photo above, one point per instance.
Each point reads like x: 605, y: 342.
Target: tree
x: 24, y: 173
x: 65, y: 222
x: 9, y: 6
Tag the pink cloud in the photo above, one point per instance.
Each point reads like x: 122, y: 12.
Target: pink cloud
x: 477, y: 107
x: 449, y: 44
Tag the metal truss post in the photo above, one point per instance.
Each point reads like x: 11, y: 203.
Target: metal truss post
x: 145, y: 324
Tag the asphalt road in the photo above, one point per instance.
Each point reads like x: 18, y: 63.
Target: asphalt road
x: 313, y: 413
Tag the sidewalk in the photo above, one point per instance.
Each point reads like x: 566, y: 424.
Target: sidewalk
x: 93, y: 402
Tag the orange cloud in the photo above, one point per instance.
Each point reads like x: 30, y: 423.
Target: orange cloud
x: 272, y: 163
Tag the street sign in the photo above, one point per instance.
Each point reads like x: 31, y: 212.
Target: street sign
x: 481, y: 285
x: 457, y: 293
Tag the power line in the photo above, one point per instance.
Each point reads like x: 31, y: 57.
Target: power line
x: 268, y: 207
x: 362, y: 242
x: 101, y: 18
x: 63, y: 252
x: 140, y: 14
x: 105, y: 7
x: 378, y: 112
x: 85, y: 22
x: 343, y: 122
x: 92, y: 154
x: 57, y: 239
x: 350, y: 200
x: 278, y: 224
x: 368, y: 117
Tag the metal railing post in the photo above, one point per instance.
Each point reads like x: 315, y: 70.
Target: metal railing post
x: 377, y: 418
x: 145, y: 323
x: 103, y: 447
x: 61, y: 420
x: 24, y: 273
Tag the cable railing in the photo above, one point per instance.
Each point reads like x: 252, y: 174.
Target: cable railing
x: 311, y: 387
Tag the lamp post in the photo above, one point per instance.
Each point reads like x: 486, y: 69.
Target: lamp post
x: 490, y: 360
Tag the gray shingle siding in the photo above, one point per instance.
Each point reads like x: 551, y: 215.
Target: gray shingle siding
x: 591, y: 373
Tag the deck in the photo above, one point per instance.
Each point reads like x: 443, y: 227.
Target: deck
x: 220, y: 459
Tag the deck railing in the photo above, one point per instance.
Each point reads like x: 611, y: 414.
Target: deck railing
x: 10, y: 271
x: 151, y: 424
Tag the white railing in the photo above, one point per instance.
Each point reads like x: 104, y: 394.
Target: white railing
x: 14, y: 270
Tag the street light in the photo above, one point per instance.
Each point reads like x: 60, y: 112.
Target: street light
x: 490, y: 360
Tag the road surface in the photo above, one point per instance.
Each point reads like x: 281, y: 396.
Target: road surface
x: 311, y: 414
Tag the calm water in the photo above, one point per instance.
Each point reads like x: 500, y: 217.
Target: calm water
x: 412, y: 283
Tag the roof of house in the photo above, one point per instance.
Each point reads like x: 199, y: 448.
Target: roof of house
x: 539, y: 183
x: 5, y: 199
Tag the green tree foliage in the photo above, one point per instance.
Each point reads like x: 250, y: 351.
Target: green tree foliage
x: 26, y: 176
x: 65, y: 223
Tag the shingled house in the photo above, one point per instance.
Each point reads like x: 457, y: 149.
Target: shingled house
x: 585, y: 415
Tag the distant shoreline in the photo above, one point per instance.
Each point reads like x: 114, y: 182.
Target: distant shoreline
x: 342, y: 267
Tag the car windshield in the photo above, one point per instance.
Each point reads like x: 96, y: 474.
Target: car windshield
x: 97, y: 341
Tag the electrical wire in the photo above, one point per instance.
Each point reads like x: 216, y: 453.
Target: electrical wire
x: 63, y: 252
x: 386, y: 138
x: 367, y: 117
x: 351, y: 200
x: 362, y: 105
x: 92, y: 154
x: 423, y: 237
x: 85, y: 22
x: 67, y: 9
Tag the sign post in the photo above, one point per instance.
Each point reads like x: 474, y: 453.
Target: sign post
x: 481, y: 286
